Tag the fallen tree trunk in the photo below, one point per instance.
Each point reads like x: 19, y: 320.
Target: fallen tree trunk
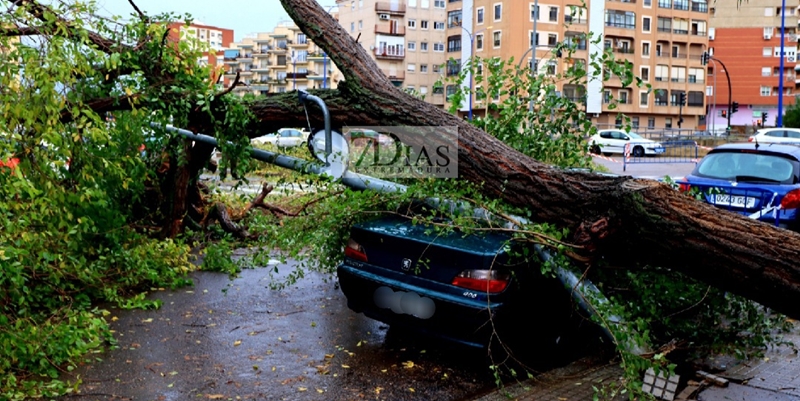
x: 622, y: 219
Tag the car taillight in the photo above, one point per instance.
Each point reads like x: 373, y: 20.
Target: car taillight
x: 791, y: 200
x: 683, y: 187
x: 354, y: 250
x: 751, y: 139
x: 491, y: 281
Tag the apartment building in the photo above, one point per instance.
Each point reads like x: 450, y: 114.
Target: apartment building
x: 279, y: 61
x: 214, y: 39
x: 745, y: 40
x: 663, y: 39
x: 405, y: 38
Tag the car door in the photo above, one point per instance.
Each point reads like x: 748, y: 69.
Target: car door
x: 618, y: 141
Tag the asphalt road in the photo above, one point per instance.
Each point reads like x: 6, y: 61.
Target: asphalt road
x: 237, y: 339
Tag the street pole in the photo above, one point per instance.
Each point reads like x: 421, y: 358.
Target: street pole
x: 779, y: 120
x: 324, y: 70
x: 294, y: 73
x: 714, y: 114
x: 534, y: 45
x: 730, y: 96
x: 471, y: 69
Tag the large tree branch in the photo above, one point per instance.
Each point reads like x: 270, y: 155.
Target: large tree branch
x: 40, y: 11
x: 621, y: 218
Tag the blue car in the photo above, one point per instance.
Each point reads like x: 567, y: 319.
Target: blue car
x: 452, y: 286
x: 760, y: 181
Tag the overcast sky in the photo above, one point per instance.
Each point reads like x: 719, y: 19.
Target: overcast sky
x: 243, y: 16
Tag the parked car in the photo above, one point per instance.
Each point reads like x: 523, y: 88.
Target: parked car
x: 362, y: 136
x: 614, y: 141
x: 776, y: 135
x: 291, y: 137
x: 449, y: 286
x: 758, y: 181
x: 270, y: 139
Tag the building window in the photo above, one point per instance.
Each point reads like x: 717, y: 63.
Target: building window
x: 648, y: 3
x: 496, y: 37
x: 551, y: 67
x: 646, y: 24
x: 423, y: 46
x: 437, y: 68
x: 623, y: 96
x: 360, y: 25
x: 552, y: 39
x: 651, y: 122
x: 606, y: 97
x: 645, y: 74
x: 695, y: 99
x: 423, y: 24
x: 645, y: 49
x: 451, y: 90
x: 438, y: 3
x: 644, y: 98
x: 454, y: 43
x: 664, y: 24
x: 352, y: 27
x: 453, y: 68
x: 412, y: 23
x: 479, y: 15
x: 438, y: 47
x: 412, y: 46
x: 767, y: 52
x: 766, y: 71
x: 438, y: 90
x: 668, y: 122
x: 411, y: 67
x: 479, y: 42
x: 534, y: 12
x: 423, y: 68
x: 635, y: 122
x: 454, y: 18
x: 766, y: 91
x: 424, y: 89
x: 768, y: 30
x: 439, y: 26
x: 553, y: 14
x: 498, y: 11
x: 621, y: 19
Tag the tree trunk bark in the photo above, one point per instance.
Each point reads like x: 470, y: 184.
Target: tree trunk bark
x: 621, y: 219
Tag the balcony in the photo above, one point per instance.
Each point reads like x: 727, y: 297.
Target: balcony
x: 390, y: 53
x: 300, y: 42
x: 262, y: 67
x: 623, y: 50
x: 318, y: 75
x: 386, y: 7
x: 700, y: 33
x: 575, y: 20
x: 680, y: 31
x: 624, y: 1
x: 395, y: 75
x: 245, y: 56
x: 390, y: 29
x: 681, y: 6
x: 315, y: 56
x: 296, y: 75
x: 791, y: 37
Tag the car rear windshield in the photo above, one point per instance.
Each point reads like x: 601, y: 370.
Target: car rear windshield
x: 741, y: 166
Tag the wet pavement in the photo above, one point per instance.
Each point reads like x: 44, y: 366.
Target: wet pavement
x: 237, y: 339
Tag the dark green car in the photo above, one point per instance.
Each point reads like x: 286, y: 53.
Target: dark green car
x: 452, y: 286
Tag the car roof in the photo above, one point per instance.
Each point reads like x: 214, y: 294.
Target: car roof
x: 793, y: 150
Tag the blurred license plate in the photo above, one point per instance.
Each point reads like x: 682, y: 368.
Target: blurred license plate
x: 660, y: 150
x: 736, y: 201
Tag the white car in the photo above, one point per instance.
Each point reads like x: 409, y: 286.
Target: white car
x: 610, y: 141
x: 291, y: 137
x: 776, y: 135
x: 285, y: 138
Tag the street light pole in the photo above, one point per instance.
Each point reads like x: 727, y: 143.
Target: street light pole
x: 779, y: 121
x: 324, y: 70
x: 730, y: 95
x: 471, y: 68
x: 534, y: 45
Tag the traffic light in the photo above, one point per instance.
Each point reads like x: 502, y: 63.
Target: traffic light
x: 734, y: 107
x: 764, y: 117
x: 682, y: 99
x: 724, y: 113
x: 704, y: 58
